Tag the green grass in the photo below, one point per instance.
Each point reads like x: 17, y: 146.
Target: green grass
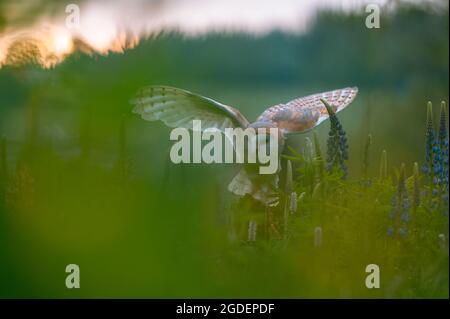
x: 139, y: 226
x: 356, y: 228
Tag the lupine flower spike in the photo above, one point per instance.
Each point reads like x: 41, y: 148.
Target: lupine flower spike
x: 416, y: 190
x: 400, y: 207
x: 443, y: 145
x: 430, y: 141
x: 337, y: 146
x: 436, y: 157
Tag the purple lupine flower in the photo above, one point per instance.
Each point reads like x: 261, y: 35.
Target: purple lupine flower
x: 337, y: 144
x: 400, y: 205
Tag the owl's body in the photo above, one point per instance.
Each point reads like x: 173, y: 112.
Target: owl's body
x: 178, y: 108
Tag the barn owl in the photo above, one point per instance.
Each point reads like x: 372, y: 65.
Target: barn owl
x: 178, y: 108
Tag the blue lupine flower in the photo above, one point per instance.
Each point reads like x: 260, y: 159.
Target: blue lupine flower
x: 443, y: 145
x: 405, y: 217
x: 400, y: 202
x: 403, y: 231
x: 390, y: 231
x: 393, y: 212
x: 405, y: 203
x: 430, y: 141
x: 436, y: 157
x: 337, y: 144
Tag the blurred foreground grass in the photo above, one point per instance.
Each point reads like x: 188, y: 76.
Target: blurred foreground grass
x: 139, y: 226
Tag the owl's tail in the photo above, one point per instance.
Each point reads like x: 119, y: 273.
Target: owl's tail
x: 262, y: 189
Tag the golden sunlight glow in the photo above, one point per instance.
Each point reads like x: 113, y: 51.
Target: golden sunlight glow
x: 62, y: 42
x: 113, y: 26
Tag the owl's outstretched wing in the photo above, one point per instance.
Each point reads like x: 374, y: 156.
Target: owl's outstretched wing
x: 302, y: 114
x: 178, y: 108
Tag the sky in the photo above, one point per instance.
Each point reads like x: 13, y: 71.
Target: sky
x: 45, y: 32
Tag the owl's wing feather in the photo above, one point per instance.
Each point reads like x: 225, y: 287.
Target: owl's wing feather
x: 302, y: 114
x: 178, y: 108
